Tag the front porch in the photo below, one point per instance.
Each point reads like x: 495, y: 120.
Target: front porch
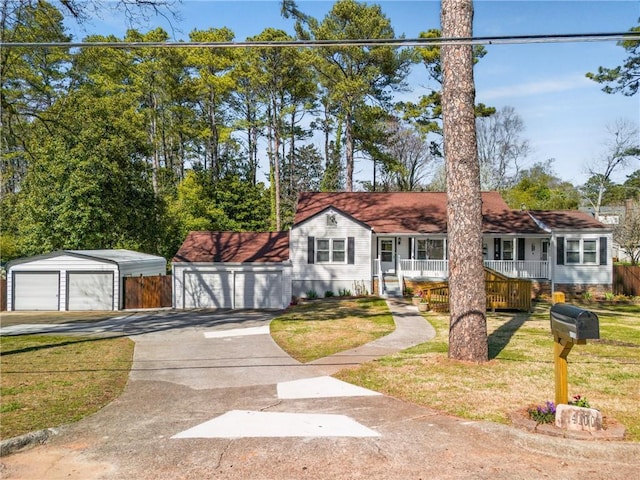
x: 439, y: 269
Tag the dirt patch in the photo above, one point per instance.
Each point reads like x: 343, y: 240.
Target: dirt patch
x: 43, y: 462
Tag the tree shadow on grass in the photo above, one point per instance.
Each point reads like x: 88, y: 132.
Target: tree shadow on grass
x: 501, y: 336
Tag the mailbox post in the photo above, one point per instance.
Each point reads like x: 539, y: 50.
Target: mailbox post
x: 570, y: 325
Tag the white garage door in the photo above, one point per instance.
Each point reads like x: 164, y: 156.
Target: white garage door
x: 90, y: 291
x: 207, y: 290
x: 36, y: 291
x: 258, y: 290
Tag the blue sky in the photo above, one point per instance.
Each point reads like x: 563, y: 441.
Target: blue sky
x: 564, y: 113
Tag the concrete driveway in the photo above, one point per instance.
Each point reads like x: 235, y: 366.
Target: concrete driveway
x: 211, y: 396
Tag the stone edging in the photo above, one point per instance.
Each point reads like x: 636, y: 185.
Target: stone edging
x: 39, y: 437
x: 613, y: 430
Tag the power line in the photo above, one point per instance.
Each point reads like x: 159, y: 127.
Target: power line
x: 391, y: 42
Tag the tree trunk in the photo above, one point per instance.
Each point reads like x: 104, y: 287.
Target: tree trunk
x: 468, y: 324
x: 348, y: 148
x: 275, y: 125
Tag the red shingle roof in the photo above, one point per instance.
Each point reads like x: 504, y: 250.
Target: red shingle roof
x: 234, y: 247
x: 412, y: 212
x: 568, y: 220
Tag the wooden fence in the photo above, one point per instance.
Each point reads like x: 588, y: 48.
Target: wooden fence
x: 626, y: 280
x: 147, y: 292
x: 3, y: 294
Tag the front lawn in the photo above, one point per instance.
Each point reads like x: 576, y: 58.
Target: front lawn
x: 519, y: 374
x: 320, y: 328
x: 48, y: 381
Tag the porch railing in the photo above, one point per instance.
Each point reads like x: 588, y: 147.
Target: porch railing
x: 520, y: 268
x: 378, y: 268
x: 412, y: 268
x: 424, y: 268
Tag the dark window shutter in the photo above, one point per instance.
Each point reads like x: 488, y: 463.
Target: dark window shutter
x: 603, y: 250
x: 351, y: 251
x: 560, y: 251
x: 496, y: 249
x: 521, y: 249
x: 311, y: 249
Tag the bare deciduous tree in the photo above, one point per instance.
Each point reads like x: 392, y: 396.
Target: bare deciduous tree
x: 621, y: 148
x: 412, y: 157
x: 627, y: 234
x: 501, y: 149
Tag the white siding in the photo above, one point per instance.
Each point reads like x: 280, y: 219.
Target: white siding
x: 332, y: 277
x: 65, y: 264
x: 581, y: 274
x: 252, y: 285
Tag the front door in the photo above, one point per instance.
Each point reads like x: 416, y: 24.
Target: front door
x: 387, y: 254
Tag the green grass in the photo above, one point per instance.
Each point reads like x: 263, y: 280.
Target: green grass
x: 321, y: 328
x: 520, y: 372
x: 49, y: 381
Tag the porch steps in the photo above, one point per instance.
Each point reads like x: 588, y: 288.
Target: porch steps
x: 392, y: 286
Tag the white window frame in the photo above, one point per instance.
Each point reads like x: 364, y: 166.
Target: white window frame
x: 579, y: 250
x: 421, y: 250
x: 431, y: 248
x: 332, y: 251
x: 426, y: 246
x: 594, y: 251
x: 507, y: 249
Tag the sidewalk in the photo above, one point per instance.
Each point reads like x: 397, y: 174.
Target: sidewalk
x: 411, y: 329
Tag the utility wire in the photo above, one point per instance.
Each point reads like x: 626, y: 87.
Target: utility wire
x: 391, y: 42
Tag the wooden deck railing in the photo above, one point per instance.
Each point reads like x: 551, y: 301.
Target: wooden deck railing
x: 502, y: 294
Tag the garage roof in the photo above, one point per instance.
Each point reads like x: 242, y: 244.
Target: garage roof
x: 118, y: 256
x: 234, y: 247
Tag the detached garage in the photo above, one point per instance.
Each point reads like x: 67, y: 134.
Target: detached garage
x: 76, y: 279
x: 233, y: 270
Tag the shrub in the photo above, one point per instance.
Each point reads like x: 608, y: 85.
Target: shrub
x: 360, y: 288
x: 328, y: 294
x: 344, y: 292
x: 311, y: 294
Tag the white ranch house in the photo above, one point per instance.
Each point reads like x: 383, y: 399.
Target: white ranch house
x: 373, y: 242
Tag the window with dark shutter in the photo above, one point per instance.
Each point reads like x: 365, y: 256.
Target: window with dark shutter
x: 351, y: 251
x: 603, y: 250
x: 560, y: 251
x: 311, y: 253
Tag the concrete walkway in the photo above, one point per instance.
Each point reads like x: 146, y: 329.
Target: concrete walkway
x: 216, y: 398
